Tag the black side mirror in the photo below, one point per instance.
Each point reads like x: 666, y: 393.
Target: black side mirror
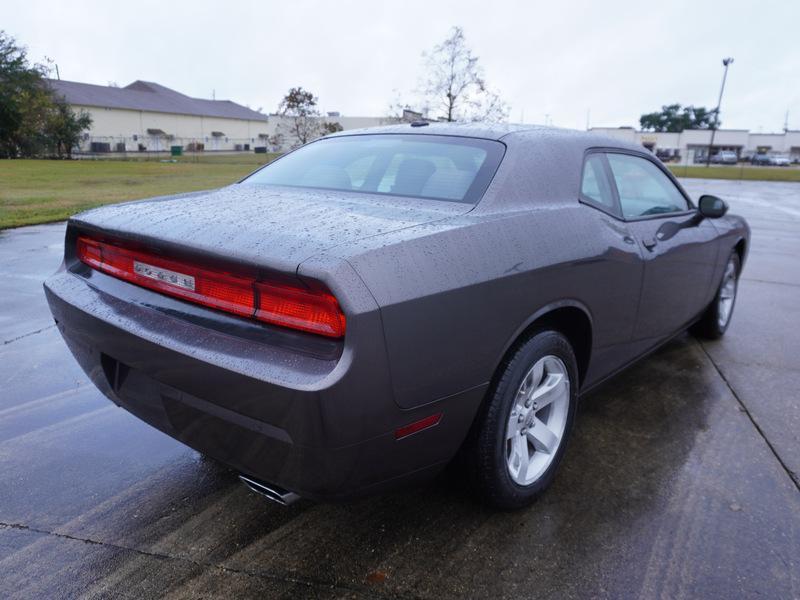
x: 712, y: 207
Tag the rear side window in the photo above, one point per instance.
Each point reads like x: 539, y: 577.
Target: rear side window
x: 643, y: 188
x: 594, y: 186
x: 419, y: 166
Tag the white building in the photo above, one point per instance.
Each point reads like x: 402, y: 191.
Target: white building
x: 691, y: 145
x: 148, y: 117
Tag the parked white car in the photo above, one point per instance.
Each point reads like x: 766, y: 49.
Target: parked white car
x: 725, y: 157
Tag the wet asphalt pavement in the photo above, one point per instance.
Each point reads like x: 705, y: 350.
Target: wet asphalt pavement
x: 681, y: 479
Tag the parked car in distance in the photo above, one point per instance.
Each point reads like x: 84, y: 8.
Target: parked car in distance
x: 760, y: 159
x: 725, y: 157
x: 356, y: 314
x: 780, y: 160
x: 668, y: 155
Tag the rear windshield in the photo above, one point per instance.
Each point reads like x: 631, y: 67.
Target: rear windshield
x: 419, y: 166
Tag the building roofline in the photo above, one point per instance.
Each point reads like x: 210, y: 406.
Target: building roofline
x: 150, y: 97
x: 162, y: 112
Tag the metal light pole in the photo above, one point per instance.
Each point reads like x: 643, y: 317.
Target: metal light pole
x: 725, y: 63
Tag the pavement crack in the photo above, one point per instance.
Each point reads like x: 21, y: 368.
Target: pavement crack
x: 787, y: 283
x: 272, y: 576
x: 30, y: 333
x: 792, y: 475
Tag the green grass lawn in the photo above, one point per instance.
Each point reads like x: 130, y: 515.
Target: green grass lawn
x: 39, y: 191
x: 737, y: 172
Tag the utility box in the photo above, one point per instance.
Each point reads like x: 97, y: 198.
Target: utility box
x: 176, y: 150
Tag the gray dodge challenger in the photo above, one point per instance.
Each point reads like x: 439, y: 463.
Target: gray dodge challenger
x: 359, y: 313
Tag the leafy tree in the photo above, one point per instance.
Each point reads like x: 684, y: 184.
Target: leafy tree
x: 20, y: 88
x: 303, y: 121
x: 63, y: 128
x: 33, y: 121
x: 299, y: 107
x: 675, y: 118
x: 329, y: 127
x: 455, y: 86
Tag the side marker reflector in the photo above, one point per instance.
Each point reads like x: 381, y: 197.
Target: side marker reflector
x: 417, y: 426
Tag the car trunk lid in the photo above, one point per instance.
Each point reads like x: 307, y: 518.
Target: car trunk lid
x: 263, y: 226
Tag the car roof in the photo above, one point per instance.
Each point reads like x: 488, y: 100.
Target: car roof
x: 492, y: 131
x: 541, y: 167
x: 497, y: 131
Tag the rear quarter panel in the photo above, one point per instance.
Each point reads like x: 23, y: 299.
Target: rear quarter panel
x: 454, y: 295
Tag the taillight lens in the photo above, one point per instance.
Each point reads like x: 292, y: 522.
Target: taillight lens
x: 278, y: 303
x: 314, y: 311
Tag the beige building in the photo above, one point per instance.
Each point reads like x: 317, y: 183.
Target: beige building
x: 691, y: 145
x: 145, y: 116
x: 148, y: 117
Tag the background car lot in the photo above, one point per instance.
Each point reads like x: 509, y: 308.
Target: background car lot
x: 681, y: 480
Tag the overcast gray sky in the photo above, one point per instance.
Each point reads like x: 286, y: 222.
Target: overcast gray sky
x: 562, y: 58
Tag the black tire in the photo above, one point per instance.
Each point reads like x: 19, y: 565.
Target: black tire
x: 486, y: 448
x: 710, y: 326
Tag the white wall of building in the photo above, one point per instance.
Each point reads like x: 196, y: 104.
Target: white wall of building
x: 693, y: 142
x: 130, y: 128
x: 784, y: 143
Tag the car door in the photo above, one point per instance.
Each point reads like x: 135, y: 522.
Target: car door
x: 677, y: 245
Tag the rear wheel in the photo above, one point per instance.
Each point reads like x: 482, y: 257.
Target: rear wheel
x: 714, y: 322
x: 519, y: 439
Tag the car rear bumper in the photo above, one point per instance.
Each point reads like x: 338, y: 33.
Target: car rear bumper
x: 319, y: 426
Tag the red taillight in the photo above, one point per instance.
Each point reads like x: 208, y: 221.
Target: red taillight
x: 314, y: 311
x: 276, y: 303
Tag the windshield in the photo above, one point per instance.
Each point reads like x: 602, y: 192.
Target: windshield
x: 420, y: 166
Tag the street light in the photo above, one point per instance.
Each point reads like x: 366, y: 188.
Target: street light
x: 725, y: 63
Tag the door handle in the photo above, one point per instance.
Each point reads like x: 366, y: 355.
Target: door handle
x: 649, y: 242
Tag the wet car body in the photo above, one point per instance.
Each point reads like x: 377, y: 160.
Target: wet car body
x: 435, y: 293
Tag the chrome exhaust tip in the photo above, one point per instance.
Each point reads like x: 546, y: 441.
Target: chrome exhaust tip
x: 269, y: 491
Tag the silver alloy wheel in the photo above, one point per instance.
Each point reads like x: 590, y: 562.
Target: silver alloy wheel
x: 537, y: 420
x: 727, y: 294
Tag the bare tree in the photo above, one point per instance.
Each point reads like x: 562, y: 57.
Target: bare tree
x: 275, y: 142
x: 455, y: 83
x: 398, y: 110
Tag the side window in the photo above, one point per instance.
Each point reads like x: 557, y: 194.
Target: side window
x: 643, y: 189
x: 594, y: 186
